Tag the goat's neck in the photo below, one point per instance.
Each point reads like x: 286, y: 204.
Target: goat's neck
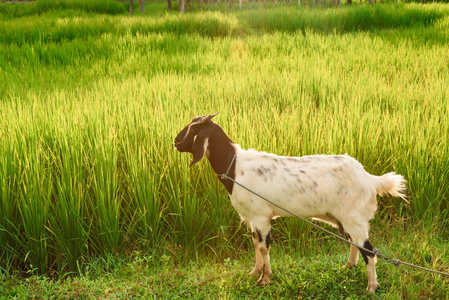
x: 221, y: 152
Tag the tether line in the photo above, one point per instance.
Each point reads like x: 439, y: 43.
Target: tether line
x: 375, y: 251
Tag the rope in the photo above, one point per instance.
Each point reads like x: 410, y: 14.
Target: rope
x: 375, y: 251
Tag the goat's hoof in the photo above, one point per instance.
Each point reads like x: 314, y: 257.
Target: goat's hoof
x: 263, y: 281
x: 349, y: 266
x: 254, y: 272
x: 372, y: 287
x: 264, y: 278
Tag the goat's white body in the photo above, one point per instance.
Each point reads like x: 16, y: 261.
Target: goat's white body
x: 311, y: 186
x: 335, y: 189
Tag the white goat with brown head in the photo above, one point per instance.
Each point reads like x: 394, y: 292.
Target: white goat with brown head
x: 332, y: 188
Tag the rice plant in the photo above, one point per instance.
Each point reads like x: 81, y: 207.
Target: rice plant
x: 90, y: 104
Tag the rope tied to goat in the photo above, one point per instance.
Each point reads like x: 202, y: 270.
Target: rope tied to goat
x: 375, y: 251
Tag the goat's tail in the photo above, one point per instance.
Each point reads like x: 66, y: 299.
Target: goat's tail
x: 393, y: 184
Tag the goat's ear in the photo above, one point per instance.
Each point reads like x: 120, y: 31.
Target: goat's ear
x: 200, y: 144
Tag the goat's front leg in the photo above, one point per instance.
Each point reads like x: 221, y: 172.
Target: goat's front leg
x: 264, y: 249
x: 259, y: 259
x: 261, y: 241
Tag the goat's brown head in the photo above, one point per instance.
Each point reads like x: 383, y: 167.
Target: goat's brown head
x: 194, y: 138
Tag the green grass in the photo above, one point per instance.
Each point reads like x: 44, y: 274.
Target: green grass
x: 91, y: 101
x: 317, y: 275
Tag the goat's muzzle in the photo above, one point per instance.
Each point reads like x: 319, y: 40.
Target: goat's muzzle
x: 178, y: 145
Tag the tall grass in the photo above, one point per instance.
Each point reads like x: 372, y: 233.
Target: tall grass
x: 63, y: 6
x: 90, y: 105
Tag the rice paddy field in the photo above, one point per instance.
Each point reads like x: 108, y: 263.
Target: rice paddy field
x: 96, y: 202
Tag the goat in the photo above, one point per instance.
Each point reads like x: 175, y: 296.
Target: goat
x: 334, y: 189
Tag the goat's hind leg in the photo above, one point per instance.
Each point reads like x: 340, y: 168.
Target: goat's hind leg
x: 370, y: 260
x: 359, y: 236
x: 353, y: 257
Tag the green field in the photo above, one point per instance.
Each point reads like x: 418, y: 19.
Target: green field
x: 92, y: 98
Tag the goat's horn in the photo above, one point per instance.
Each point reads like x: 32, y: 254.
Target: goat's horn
x: 204, y: 119
x: 210, y: 116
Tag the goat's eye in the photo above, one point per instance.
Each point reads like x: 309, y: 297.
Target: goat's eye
x: 194, y: 130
